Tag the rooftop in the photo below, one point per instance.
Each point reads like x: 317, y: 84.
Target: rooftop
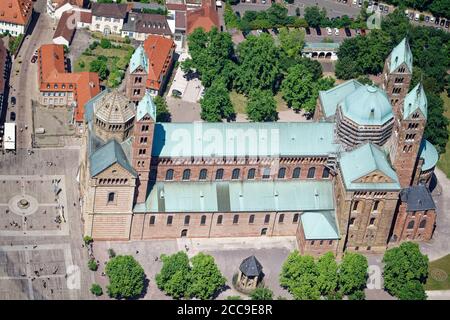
x: 110, y: 10
x: 417, y: 198
x: 320, y: 225
x: 16, y: 11
x: 415, y: 100
x: 429, y: 155
x: 251, y: 267
x: 114, y: 108
x: 158, y: 50
x: 147, y: 23
x: 206, y: 17
x: 401, y: 54
x: 332, y: 97
x: 146, y: 107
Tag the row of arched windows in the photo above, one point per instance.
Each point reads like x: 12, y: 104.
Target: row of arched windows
x: 112, y: 181
x: 422, y: 224
x: 236, y: 173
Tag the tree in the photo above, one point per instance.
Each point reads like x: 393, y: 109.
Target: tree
x: 314, y: 16
x: 92, y: 264
x: 299, y: 276
x: 352, y: 273
x: 327, y: 280
x: 259, y: 64
x: 298, y: 87
x: 292, y: 41
x: 105, y: 43
x: 277, y: 14
x: 99, y: 66
x: 96, y: 289
x: 162, y: 111
x: 261, y: 294
x: 173, y: 278
x: 406, y: 268
x: 216, y: 104
x: 261, y: 106
x: 205, y: 278
x: 230, y: 18
x: 126, y: 277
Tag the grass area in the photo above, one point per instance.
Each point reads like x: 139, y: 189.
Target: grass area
x: 436, y: 273
x: 239, y: 102
x: 444, y: 160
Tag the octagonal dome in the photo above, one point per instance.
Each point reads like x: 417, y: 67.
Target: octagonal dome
x: 367, y: 105
x: 114, y: 108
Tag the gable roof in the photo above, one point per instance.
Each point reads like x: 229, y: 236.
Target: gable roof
x: 331, y: 98
x: 251, y: 267
x: 110, y: 10
x: 147, y: 23
x: 205, y: 17
x: 146, y: 106
x: 66, y: 28
x: 401, y: 54
x: 106, y: 156
x: 139, y: 59
x: 320, y: 225
x: 417, y: 198
x: 16, y: 11
x: 158, y: 50
x: 415, y: 99
x: 362, y: 161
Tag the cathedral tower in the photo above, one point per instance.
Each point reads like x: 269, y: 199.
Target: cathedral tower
x: 142, y: 143
x: 397, y: 74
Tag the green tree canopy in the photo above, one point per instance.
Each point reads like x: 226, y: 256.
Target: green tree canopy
x: 126, y: 277
x: 259, y: 64
x: 352, y: 273
x: 314, y: 16
x: 261, y: 294
x: 261, y: 106
x: 327, y: 268
x: 173, y: 278
x: 216, y: 104
x: 206, y: 278
x: 405, y: 269
x: 162, y: 111
x: 291, y: 41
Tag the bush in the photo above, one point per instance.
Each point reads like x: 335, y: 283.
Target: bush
x: 234, y: 298
x: 92, y: 265
x: 262, y: 294
x: 96, y: 289
x: 111, y: 253
x: 88, y: 240
x: 105, y: 44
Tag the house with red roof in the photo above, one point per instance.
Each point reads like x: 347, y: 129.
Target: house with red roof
x: 150, y: 67
x: 59, y: 87
x: 205, y: 17
x: 15, y: 16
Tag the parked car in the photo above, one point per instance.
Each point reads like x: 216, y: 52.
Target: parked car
x: 34, y: 59
x: 386, y: 9
x: 336, y: 31
x: 381, y: 7
x: 275, y: 30
x: 431, y: 19
x: 355, y: 1
x: 176, y: 93
x: 442, y: 22
x: 12, y: 116
x: 358, y: 32
x: 329, y: 32
x: 370, y: 2
x: 427, y: 18
x: 308, y: 30
x: 363, y: 32
x: 447, y: 24
x: 411, y: 16
x: 13, y: 101
x: 437, y: 21
x: 318, y: 31
x: 416, y: 18
x: 348, y: 33
x: 360, y: 2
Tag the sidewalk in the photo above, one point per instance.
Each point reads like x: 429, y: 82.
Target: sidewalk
x: 438, y: 295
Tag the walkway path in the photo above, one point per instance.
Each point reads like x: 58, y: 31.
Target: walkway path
x: 439, y: 246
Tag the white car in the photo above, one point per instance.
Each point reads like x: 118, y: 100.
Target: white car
x: 417, y: 17
x: 336, y: 31
x: 432, y: 19
x: 355, y: 1
x: 329, y: 31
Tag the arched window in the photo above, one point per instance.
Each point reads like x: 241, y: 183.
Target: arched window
x: 410, y: 225
x: 111, y: 197
x: 251, y: 219
x: 267, y: 218
x: 281, y: 218
x: 235, y: 174
x: 266, y: 173
x: 219, y: 174
x: 295, y: 218
x: 325, y: 173
x: 186, y: 174
x: 219, y: 219
x: 235, y: 219
x: 169, y: 174
x: 376, y: 204
x: 169, y: 220
x: 251, y: 174
x: 311, y: 172
x: 296, y: 173
x: 281, y: 173
x: 355, y: 205
x: 203, y: 220
x: 423, y: 224
x: 152, y: 220
x: 352, y: 221
x: 187, y: 219
x: 203, y: 174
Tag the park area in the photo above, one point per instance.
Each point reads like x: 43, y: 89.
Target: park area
x: 438, y: 274
x: 109, y: 59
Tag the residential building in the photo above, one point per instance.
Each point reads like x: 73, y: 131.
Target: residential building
x: 355, y: 179
x: 149, y: 68
x: 139, y: 26
x: 59, y: 87
x: 55, y: 8
x: 15, y: 16
x: 108, y: 18
x: 67, y: 25
x: 205, y: 17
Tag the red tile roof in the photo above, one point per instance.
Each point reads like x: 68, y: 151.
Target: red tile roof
x: 52, y: 72
x: 66, y: 26
x: 159, y: 51
x: 16, y: 11
x: 205, y: 17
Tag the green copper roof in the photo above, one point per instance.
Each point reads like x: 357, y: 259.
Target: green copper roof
x: 146, y: 106
x: 106, y: 156
x: 320, y: 225
x: 248, y: 196
x: 367, y: 105
x: 139, y: 59
x: 362, y: 161
x: 330, y: 98
x: 415, y: 99
x: 429, y: 155
x: 401, y: 54
x: 202, y: 139
x: 322, y: 45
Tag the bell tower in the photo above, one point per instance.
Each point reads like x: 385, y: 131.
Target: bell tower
x: 142, y: 143
x: 408, y: 134
x: 397, y: 74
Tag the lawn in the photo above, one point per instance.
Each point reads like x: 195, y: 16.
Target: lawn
x: 444, y: 160
x: 239, y: 102
x: 438, y: 277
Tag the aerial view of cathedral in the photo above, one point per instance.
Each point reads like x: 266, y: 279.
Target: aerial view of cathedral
x: 192, y: 150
